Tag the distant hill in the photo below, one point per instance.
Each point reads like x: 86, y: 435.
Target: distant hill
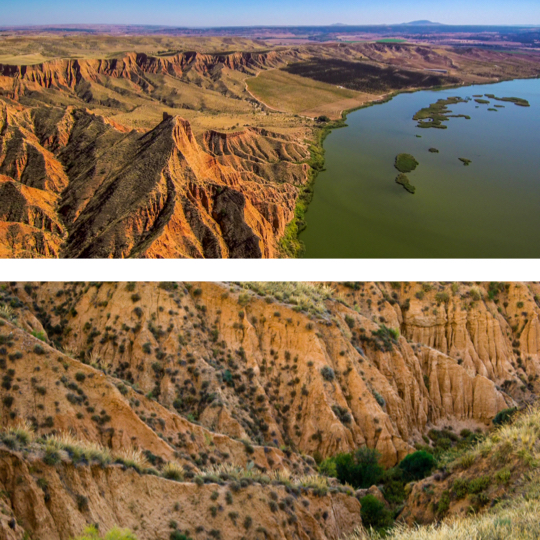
x: 421, y: 23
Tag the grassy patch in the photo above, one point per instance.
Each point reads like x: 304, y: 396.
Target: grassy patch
x: 299, y: 95
x: 307, y: 297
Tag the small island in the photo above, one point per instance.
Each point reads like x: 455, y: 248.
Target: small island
x: 492, y: 109
x: 403, y: 180
x: 405, y: 163
x: 482, y: 101
x: 434, y: 150
x: 465, y: 161
x: 517, y: 101
x: 436, y: 113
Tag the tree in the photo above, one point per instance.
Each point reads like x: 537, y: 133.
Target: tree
x: 417, y: 465
x: 374, y: 513
x: 361, y: 469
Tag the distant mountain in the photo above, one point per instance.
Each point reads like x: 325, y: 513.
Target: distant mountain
x: 421, y: 23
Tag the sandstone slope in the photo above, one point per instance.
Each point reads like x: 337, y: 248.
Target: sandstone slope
x: 256, y: 370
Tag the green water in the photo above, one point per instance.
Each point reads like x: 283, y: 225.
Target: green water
x: 490, y: 208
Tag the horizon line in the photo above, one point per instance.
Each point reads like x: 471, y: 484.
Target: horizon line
x: 336, y: 25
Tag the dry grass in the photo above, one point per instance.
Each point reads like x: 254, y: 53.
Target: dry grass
x: 32, y: 49
x: 227, y: 471
x: 304, y: 296
x: 517, y: 520
x: 518, y: 439
x: 7, y: 313
x: 299, y: 95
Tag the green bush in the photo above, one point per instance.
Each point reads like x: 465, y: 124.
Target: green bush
x: 460, y: 487
x: 504, y: 416
x: 479, y: 484
x: 374, y: 513
x: 417, y: 465
x: 394, y: 485
x: 177, y: 535
x: 444, y: 503
x: 361, y: 469
x: 328, y: 467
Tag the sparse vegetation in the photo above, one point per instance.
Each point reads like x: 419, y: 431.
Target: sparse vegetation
x: 307, y: 297
x: 92, y: 533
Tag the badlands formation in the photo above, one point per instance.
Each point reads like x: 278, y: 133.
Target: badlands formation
x: 189, y: 153
x: 217, y: 401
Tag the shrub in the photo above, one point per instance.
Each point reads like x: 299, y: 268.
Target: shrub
x: 503, y: 417
x: 460, y: 487
x: 328, y: 373
x: 394, y: 485
x: 479, y: 484
x: 417, y: 465
x: 173, y: 471
x: 80, y: 376
x: 82, y: 503
x: 361, y: 469
x: 374, y: 513
x: 503, y: 476
x: 444, y: 503
x: 177, y: 535
x: 328, y: 467
x: 442, y: 298
x: 52, y: 456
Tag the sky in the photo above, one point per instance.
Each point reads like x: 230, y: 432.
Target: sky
x: 199, y: 13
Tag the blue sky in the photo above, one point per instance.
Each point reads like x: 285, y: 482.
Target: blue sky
x: 267, y: 12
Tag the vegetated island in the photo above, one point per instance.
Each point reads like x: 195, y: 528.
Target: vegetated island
x: 517, y: 101
x: 436, y: 113
x: 434, y: 150
x: 492, y: 109
x: 465, y: 161
x: 403, y: 180
x: 482, y: 101
x: 405, y: 163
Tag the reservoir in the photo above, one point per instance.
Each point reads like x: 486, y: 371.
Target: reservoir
x: 490, y: 208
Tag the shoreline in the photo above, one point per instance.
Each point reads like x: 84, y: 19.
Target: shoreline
x: 290, y: 245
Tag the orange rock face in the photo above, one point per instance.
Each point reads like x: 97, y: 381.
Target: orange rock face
x: 253, y: 370
x: 108, y: 191
x: 77, y: 185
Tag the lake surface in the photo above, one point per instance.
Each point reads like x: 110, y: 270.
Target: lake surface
x: 490, y: 208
